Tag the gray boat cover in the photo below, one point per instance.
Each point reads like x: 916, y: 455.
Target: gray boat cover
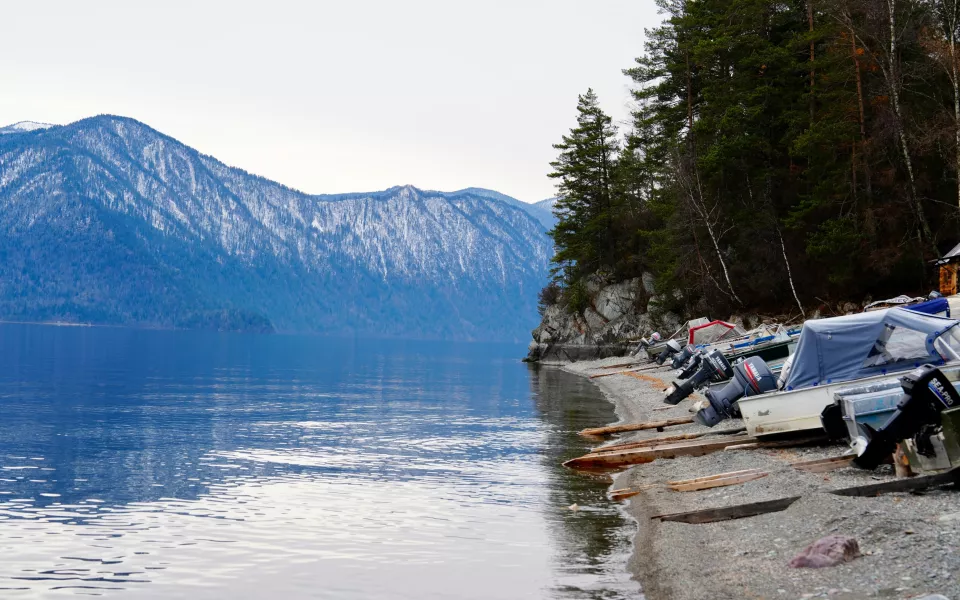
x: 870, y: 343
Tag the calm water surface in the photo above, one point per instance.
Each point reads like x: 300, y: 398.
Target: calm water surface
x: 178, y: 464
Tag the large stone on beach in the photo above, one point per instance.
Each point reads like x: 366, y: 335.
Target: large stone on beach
x: 827, y: 552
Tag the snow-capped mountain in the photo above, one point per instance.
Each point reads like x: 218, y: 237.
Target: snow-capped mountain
x: 107, y: 220
x: 23, y: 126
x: 541, y: 211
x: 546, y: 205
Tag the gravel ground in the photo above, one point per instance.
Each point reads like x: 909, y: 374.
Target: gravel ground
x: 909, y: 541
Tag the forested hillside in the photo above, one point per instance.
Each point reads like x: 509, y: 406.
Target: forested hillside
x: 781, y: 154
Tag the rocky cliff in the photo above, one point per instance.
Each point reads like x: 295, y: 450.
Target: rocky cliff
x: 617, y: 313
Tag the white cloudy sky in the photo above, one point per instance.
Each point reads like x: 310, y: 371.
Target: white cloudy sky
x: 352, y: 95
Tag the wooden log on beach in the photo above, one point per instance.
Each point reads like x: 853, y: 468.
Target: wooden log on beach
x: 625, y: 493
x: 787, y: 443
x: 667, y: 438
x: 641, y: 455
x: 637, y: 456
x: 658, y: 425
x: 713, y: 515
x: 715, y: 481
x: 912, y: 484
x: 712, y: 477
x: 822, y: 465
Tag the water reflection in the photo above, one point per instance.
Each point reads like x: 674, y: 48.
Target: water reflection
x: 592, y: 545
x: 198, y: 465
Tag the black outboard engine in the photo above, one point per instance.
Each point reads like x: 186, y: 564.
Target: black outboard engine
x: 672, y: 347
x: 692, y: 367
x: 681, y: 358
x: 713, y: 367
x: 926, y: 393
x: 750, y: 378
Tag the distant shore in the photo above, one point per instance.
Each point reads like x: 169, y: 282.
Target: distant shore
x: 904, y: 537
x: 52, y: 323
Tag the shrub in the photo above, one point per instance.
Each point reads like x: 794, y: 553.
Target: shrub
x: 548, y: 296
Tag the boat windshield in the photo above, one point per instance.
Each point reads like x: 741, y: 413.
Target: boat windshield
x: 947, y: 345
x: 897, y: 345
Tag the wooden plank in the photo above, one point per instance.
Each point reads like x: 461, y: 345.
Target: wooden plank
x: 822, y: 465
x: 625, y: 493
x: 788, y: 443
x: 740, y: 511
x: 613, y: 460
x: 712, y: 477
x: 715, y: 483
x: 659, y: 425
x: 666, y: 438
x: 902, y: 485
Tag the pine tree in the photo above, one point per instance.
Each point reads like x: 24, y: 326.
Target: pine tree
x: 584, y: 234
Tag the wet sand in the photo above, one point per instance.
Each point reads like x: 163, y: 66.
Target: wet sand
x: 909, y: 541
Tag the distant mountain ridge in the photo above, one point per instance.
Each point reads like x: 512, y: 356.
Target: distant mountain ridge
x: 24, y: 126
x: 108, y: 221
x: 541, y: 211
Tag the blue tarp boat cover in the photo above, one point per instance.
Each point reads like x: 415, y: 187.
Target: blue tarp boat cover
x: 870, y: 343
x: 937, y: 306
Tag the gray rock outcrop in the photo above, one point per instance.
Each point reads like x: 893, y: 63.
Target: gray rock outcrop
x: 616, y: 315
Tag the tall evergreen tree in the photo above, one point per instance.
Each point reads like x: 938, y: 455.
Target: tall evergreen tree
x: 782, y: 151
x: 583, y: 234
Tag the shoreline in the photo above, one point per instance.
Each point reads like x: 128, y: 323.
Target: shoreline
x: 909, y: 541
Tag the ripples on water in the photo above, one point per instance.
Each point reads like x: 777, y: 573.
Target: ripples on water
x: 179, y: 464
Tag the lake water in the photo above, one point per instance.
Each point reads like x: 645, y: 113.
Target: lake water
x: 157, y: 464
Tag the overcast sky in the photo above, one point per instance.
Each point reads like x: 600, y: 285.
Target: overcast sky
x: 328, y: 97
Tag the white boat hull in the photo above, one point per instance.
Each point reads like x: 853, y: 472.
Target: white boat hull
x: 799, y: 410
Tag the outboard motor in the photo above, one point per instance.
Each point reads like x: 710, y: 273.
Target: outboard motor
x: 714, y: 366
x: 681, y: 358
x: 750, y: 378
x: 692, y: 367
x: 926, y: 393
x: 671, y: 348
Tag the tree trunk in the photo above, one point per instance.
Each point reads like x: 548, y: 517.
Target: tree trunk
x: 689, y: 97
x: 701, y: 207
x: 786, y: 261
x: 893, y: 82
x: 812, y: 57
x: 863, y: 118
x: 952, y: 22
x: 864, y: 155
